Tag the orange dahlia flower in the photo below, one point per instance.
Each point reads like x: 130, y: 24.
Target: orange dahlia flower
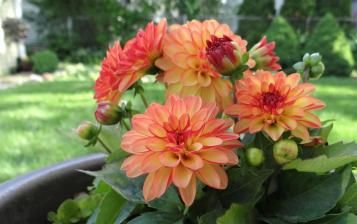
x: 274, y: 104
x: 178, y: 142
x: 121, y: 68
x: 111, y: 83
x: 187, y: 70
x: 144, y: 48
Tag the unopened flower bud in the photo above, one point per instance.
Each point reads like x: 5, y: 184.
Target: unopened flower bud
x: 299, y: 66
x: 264, y: 55
x: 317, y: 70
x: 285, y: 151
x: 255, y: 156
x: 223, y: 53
x: 306, y: 58
x: 315, y: 58
x: 107, y: 113
x: 87, y: 130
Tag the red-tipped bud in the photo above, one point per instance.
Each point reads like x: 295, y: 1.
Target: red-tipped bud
x: 87, y: 130
x: 107, y: 113
x: 264, y: 55
x: 285, y: 150
x: 223, y: 53
x: 255, y: 156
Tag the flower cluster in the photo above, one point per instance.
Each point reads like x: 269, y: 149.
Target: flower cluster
x: 209, y: 75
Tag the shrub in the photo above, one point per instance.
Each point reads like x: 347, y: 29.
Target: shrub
x: 329, y: 39
x: 252, y: 30
x: 298, y: 11
x: 44, y: 61
x: 286, y: 39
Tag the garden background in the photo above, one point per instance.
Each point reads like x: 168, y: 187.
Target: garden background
x: 50, y: 53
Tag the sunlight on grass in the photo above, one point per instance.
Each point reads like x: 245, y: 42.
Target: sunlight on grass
x: 36, y: 120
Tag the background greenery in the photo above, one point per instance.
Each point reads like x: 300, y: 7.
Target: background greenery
x: 38, y: 119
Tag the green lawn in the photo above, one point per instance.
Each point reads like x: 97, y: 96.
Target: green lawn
x: 37, y: 120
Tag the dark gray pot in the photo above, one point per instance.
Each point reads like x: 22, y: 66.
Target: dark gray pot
x: 27, y: 199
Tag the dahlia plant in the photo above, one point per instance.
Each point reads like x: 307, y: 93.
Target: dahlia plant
x: 233, y: 139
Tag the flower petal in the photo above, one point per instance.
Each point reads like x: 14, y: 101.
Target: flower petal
x: 192, y: 161
x: 181, y: 176
x: 170, y: 159
x: 188, y: 194
x: 212, y: 176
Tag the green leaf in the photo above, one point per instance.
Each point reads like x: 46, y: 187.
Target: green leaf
x: 341, y: 149
x: 109, y: 208
x: 308, y: 197
x: 273, y: 221
x: 88, y: 203
x: 236, y: 214
x: 320, y: 164
x: 210, y: 217
x: 169, y: 202
x: 325, y: 131
x: 129, y: 188
x: 156, y: 218
x: 343, y: 218
x: 125, y: 212
x: 69, y: 211
x: 350, y: 198
x: 334, y: 156
x: 244, y: 187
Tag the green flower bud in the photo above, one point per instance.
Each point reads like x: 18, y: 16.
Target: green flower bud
x: 315, y: 58
x: 299, y: 66
x: 285, y: 151
x: 306, y: 58
x: 317, y: 70
x: 255, y: 156
x: 107, y: 113
x: 87, y: 130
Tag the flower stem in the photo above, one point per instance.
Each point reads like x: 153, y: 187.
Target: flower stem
x: 104, y: 145
x: 125, y: 125
x: 142, y: 96
x: 186, y: 210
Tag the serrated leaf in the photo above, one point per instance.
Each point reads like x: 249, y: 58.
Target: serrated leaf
x: 244, y: 186
x: 156, y: 218
x: 313, y: 198
x: 68, y: 211
x: 320, y: 164
x: 129, y: 188
x: 109, y: 208
x: 350, y: 198
x: 236, y: 214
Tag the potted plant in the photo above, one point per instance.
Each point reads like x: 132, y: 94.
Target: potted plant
x: 235, y: 141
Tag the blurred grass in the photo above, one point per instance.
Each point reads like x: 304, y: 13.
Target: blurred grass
x: 37, y: 119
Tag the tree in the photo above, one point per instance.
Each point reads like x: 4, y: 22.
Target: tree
x: 252, y: 30
x: 330, y: 41
x: 286, y: 39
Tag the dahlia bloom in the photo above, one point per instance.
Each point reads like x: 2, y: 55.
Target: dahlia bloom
x: 264, y: 56
x: 111, y: 84
x: 177, y: 143
x: 121, y: 68
x: 187, y: 70
x: 143, y: 50
x: 274, y: 104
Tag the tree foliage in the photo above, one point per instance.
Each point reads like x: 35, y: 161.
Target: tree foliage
x: 252, y: 30
x: 330, y: 40
x: 286, y: 39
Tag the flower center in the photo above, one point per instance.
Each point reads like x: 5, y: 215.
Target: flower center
x: 271, y: 101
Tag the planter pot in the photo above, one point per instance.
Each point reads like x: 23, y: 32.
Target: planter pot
x: 27, y: 199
